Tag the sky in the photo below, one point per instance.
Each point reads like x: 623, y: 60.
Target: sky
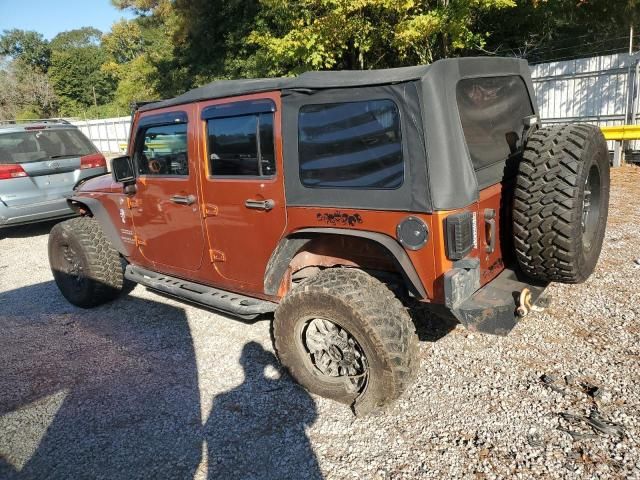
x: 51, y: 17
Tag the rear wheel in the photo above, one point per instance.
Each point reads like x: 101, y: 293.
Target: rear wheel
x: 343, y: 335
x: 561, y: 203
x: 85, y: 266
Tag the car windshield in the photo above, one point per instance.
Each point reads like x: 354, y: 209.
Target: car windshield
x: 45, y: 144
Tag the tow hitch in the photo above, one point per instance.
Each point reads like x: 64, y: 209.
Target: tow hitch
x: 526, y: 305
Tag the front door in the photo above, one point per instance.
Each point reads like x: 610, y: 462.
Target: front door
x: 165, y: 209
x: 242, y: 188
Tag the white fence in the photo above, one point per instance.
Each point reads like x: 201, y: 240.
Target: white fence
x: 600, y: 90
x: 110, y: 135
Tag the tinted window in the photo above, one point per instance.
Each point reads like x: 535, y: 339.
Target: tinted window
x: 38, y: 145
x: 491, y: 111
x: 350, y: 145
x: 242, y: 145
x: 162, y: 150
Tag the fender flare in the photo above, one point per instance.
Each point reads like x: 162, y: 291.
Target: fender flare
x: 100, y: 213
x: 289, y: 246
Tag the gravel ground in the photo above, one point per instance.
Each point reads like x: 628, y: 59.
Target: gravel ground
x: 154, y: 388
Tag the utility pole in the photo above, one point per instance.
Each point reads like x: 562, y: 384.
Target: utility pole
x: 95, y: 100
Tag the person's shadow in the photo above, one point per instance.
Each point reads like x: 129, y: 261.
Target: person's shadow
x: 257, y: 430
x: 113, y: 392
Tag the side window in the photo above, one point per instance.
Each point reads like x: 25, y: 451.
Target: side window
x: 491, y: 111
x: 162, y: 150
x: 242, y: 145
x: 351, y: 145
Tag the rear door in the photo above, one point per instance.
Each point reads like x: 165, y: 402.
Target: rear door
x: 243, y: 187
x: 165, y: 207
x: 45, y: 163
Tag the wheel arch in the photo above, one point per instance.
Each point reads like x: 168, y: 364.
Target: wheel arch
x: 292, y: 245
x: 94, y: 208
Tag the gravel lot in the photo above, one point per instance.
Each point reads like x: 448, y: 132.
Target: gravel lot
x: 154, y: 388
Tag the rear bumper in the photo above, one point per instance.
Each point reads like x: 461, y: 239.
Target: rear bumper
x: 493, y: 308
x: 11, y: 216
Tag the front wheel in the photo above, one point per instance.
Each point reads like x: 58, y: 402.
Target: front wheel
x: 343, y: 335
x: 85, y: 266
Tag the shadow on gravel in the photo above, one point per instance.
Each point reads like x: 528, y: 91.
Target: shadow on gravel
x: 29, y: 230
x: 432, y: 322
x: 113, y: 392
x: 257, y: 429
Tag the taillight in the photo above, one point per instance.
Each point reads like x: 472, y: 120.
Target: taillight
x: 461, y: 234
x: 11, y: 171
x: 94, y: 160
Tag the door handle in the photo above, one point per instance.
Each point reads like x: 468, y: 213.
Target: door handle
x: 183, y: 199
x: 260, y: 204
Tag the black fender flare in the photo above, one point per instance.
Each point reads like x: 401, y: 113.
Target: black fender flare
x: 290, y: 245
x: 99, y: 212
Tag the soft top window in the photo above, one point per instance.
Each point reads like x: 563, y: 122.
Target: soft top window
x: 491, y: 111
x: 350, y: 145
x: 162, y: 150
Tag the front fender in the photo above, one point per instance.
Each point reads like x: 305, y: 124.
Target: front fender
x: 101, y: 214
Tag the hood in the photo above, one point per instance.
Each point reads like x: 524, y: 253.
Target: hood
x: 102, y: 183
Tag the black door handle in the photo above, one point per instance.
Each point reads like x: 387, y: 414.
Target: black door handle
x: 260, y: 204
x: 183, y: 199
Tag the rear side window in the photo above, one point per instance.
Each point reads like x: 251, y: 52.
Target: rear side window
x: 350, y: 145
x: 162, y: 150
x: 491, y: 111
x: 45, y: 144
x: 242, y: 145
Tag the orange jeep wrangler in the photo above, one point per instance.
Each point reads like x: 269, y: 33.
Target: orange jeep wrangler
x: 332, y: 199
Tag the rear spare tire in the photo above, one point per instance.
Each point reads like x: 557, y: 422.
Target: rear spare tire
x: 85, y: 266
x: 561, y: 202
x: 343, y: 335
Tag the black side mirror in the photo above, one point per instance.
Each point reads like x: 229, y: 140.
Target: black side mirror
x: 122, y: 170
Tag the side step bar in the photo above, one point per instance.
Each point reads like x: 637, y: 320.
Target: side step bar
x: 227, y: 302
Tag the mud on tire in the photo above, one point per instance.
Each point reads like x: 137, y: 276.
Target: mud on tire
x: 561, y: 202
x: 85, y: 266
x: 360, y: 308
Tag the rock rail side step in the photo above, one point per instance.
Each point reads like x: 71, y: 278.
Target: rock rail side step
x: 226, y: 302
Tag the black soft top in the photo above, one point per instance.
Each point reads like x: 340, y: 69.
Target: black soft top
x: 439, y: 174
x: 308, y: 80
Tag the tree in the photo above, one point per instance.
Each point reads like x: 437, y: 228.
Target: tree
x: 76, y: 71
x: 78, y: 38
x: 352, y: 34
x: 25, y: 92
x: 543, y: 30
x: 125, y: 46
x: 29, y: 47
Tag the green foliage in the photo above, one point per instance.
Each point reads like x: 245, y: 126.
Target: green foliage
x: 76, y: 71
x: 29, y: 113
x: 30, y: 47
x: 329, y: 34
x: 76, y: 39
x: 543, y: 30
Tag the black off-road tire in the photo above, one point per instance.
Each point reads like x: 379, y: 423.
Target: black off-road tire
x: 371, y: 313
x: 85, y: 266
x: 559, y: 163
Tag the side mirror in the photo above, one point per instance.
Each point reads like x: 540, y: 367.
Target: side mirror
x: 122, y: 170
